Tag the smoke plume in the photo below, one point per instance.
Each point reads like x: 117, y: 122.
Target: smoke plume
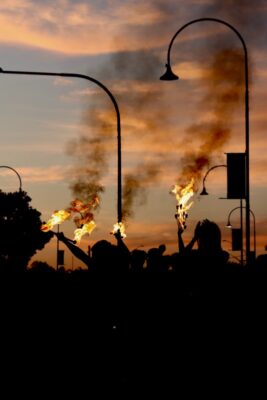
x: 224, y: 89
x: 135, y: 186
x: 141, y: 67
x: 91, y: 154
x: 129, y: 74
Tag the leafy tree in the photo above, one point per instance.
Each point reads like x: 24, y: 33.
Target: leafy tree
x: 20, y: 233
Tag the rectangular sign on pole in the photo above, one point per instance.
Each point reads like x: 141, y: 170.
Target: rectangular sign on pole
x: 236, y: 239
x: 60, y: 257
x: 236, y: 176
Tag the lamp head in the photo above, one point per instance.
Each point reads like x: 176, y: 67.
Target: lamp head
x: 228, y: 225
x: 168, y: 75
x: 204, y: 191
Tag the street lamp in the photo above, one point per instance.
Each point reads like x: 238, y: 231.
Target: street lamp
x: 228, y: 225
x: 204, y: 191
x: 170, y: 76
x: 16, y: 172
x: 89, y: 78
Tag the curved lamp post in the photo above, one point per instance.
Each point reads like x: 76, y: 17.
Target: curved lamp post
x: 89, y: 78
x: 204, y: 191
x: 170, y: 76
x: 16, y: 172
x: 228, y: 225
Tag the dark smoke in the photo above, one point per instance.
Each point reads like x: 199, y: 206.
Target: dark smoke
x: 226, y: 82
x: 92, y: 153
x: 225, y: 88
x: 245, y: 14
x: 138, y: 69
x: 138, y: 65
x: 135, y: 186
x: 91, y: 166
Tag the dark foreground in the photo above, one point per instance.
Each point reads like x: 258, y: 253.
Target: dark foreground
x: 79, y: 333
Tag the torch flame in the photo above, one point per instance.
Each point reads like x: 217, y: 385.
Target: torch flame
x: 57, y: 218
x: 86, y: 228
x: 84, y: 222
x: 183, y: 195
x: 119, y: 227
x: 81, y: 207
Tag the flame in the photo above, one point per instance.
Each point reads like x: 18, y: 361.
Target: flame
x: 80, y: 207
x: 86, y: 228
x: 57, y: 218
x: 183, y: 195
x: 84, y: 221
x: 119, y: 227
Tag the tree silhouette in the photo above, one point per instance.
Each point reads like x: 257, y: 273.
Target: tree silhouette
x: 20, y: 233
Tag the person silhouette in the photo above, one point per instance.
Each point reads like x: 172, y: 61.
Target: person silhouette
x: 106, y: 257
x: 207, y: 235
x: 205, y: 267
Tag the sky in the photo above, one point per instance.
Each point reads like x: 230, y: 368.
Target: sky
x: 60, y: 132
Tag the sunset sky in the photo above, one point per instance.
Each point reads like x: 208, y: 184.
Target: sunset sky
x: 53, y: 129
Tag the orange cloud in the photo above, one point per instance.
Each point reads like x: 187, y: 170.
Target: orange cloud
x: 51, y: 174
x: 72, y: 27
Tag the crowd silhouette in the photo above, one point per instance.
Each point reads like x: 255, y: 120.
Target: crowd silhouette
x: 130, y: 316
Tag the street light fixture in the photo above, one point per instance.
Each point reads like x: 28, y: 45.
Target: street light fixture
x: 204, y: 190
x: 170, y: 76
x: 16, y: 172
x: 229, y: 225
x: 89, y: 78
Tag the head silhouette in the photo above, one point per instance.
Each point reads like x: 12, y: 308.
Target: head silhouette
x: 208, y: 237
x: 102, y: 253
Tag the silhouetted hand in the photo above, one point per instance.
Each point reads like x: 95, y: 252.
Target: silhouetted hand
x: 118, y: 234
x: 60, y: 236
x: 63, y: 238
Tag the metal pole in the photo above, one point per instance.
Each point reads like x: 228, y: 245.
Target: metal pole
x: 70, y: 75
x: 57, y: 246
x: 207, y: 173
x: 16, y: 172
x: 168, y: 65
x: 241, y: 226
x: 254, y: 234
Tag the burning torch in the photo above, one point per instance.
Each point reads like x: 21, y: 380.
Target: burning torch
x: 119, y: 228
x: 183, y: 195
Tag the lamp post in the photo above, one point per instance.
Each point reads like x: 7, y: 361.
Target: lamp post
x: 204, y: 191
x: 16, y: 172
x: 89, y: 78
x: 170, y: 76
x: 228, y: 225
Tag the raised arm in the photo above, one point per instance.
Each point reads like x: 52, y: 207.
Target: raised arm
x: 181, y: 246
x: 190, y: 245
x: 76, y: 251
x: 121, y: 245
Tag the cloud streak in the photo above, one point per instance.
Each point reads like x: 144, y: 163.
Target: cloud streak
x: 77, y: 27
x: 52, y: 174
